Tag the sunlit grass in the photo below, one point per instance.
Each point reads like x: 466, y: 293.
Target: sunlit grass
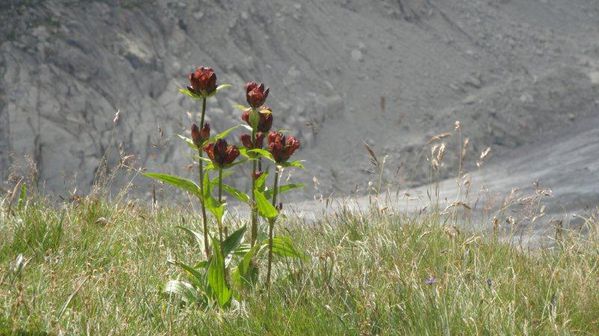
x: 97, y: 268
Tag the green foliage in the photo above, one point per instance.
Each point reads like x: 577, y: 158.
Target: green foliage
x: 233, y: 241
x: 366, y: 275
x: 207, y: 281
x: 239, y: 195
x: 283, y: 189
x: 187, y: 92
x: 261, y: 153
x: 223, y: 134
x: 265, y: 208
x: 34, y: 232
x: 216, y: 275
x: 283, y: 246
x: 22, y: 197
x: 176, y: 181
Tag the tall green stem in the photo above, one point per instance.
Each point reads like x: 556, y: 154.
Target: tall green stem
x: 220, y: 200
x: 254, y: 212
x: 201, y: 178
x: 220, y: 220
x: 271, y: 226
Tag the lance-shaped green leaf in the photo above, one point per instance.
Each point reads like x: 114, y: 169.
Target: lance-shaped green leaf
x: 184, y: 289
x: 216, y: 208
x: 283, y: 189
x: 241, y: 274
x: 188, y: 93
x: 179, y: 182
x: 261, y: 181
x: 196, y: 277
x: 216, y: 276
x: 223, y: 134
x: 222, y: 87
x: 239, y: 195
x: 233, y: 241
x: 294, y: 164
x: 241, y: 107
x: 263, y: 153
x: 193, y: 95
x: 265, y: 209
x: 188, y: 141
x: 283, y: 246
x: 196, y: 235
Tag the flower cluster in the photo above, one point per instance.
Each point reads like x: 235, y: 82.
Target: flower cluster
x: 282, y: 147
x: 256, y: 94
x: 247, y: 142
x: 221, y: 153
x: 265, y: 121
x: 199, y: 136
x: 202, y: 81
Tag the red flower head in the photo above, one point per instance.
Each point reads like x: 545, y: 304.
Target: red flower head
x: 203, y: 81
x: 265, y: 122
x: 282, y: 147
x: 200, y: 136
x: 255, y: 94
x: 246, y: 140
x: 220, y: 153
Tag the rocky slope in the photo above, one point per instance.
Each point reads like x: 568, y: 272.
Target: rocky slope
x: 388, y: 73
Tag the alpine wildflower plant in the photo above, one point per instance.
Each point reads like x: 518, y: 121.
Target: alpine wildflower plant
x: 230, y: 264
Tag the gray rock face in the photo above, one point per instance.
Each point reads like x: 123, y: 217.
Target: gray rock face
x: 340, y: 72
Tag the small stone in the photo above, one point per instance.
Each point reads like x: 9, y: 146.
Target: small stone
x: 198, y: 15
x: 473, y: 81
x: 594, y: 77
x: 527, y: 98
x: 471, y: 99
x: 357, y: 55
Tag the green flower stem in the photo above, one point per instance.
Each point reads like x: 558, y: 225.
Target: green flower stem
x: 220, y: 201
x: 271, y: 226
x: 220, y: 220
x: 254, y: 210
x: 201, y: 178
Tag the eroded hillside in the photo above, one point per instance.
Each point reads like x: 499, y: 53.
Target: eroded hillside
x: 388, y: 73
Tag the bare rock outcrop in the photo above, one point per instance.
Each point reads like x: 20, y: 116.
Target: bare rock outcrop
x: 390, y: 73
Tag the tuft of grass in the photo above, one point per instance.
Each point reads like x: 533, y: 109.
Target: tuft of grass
x: 95, y: 267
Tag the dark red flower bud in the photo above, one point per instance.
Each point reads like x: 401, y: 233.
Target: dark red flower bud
x: 205, y: 132
x: 195, y: 135
x: 246, y: 140
x: 200, y: 136
x: 221, y: 153
x: 255, y: 94
x: 245, y: 116
x: 202, y: 81
x: 282, y: 147
x: 265, y: 122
